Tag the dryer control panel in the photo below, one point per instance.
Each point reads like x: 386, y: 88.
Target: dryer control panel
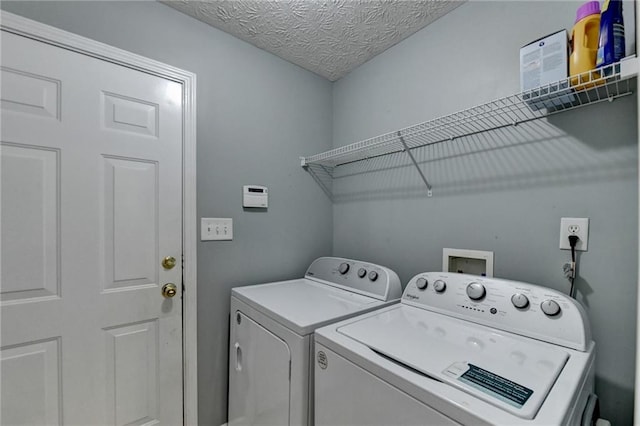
x: 353, y: 275
x: 517, y: 307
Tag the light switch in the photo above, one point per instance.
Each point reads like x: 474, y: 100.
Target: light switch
x: 218, y: 229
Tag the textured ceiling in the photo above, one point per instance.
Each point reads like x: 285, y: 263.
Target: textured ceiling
x: 327, y: 37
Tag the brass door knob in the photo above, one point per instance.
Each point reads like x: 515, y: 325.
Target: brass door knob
x: 169, y: 262
x: 169, y: 290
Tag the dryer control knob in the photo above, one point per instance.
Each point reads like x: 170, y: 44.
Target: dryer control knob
x: 422, y: 283
x: 344, y: 268
x: 362, y: 272
x: 520, y: 301
x: 476, y: 291
x: 550, y: 308
x: 373, y: 275
x: 439, y: 286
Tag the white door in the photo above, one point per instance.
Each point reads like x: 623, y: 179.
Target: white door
x: 91, y: 204
x: 259, y: 375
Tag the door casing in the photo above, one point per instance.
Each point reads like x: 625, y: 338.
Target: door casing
x: 25, y: 27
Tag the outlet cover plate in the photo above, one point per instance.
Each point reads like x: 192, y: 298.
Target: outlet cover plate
x: 567, y: 224
x: 216, y: 229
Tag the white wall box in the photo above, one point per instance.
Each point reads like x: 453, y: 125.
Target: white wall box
x: 475, y: 262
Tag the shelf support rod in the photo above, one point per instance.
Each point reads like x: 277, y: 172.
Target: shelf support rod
x: 415, y: 163
x: 326, y: 189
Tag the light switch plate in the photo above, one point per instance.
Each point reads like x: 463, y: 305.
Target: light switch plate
x: 216, y: 229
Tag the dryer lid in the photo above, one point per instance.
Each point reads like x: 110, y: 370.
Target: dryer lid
x: 304, y: 305
x: 511, y: 372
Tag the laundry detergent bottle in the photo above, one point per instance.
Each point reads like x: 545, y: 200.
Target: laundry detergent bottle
x: 611, y: 47
x: 584, y: 42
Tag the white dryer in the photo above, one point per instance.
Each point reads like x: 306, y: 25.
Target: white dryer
x: 458, y: 349
x: 271, y: 336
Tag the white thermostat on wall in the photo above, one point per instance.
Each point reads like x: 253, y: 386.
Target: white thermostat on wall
x: 255, y: 196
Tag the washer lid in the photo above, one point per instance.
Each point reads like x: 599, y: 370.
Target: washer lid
x: 511, y: 372
x: 304, y: 305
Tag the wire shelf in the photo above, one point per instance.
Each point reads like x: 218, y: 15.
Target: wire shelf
x: 604, y: 84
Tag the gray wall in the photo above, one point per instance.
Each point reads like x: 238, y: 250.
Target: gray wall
x: 506, y: 192
x: 256, y: 115
x: 503, y: 192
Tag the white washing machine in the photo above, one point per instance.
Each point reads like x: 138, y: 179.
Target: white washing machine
x: 271, y: 336
x: 459, y: 350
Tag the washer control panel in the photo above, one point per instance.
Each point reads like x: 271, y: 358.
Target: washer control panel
x: 360, y: 277
x: 521, y: 308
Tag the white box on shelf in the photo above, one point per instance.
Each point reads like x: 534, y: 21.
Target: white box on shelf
x: 544, y: 69
x: 544, y: 61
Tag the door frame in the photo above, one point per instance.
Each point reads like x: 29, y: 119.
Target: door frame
x: 637, y: 378
x: 37, y: 31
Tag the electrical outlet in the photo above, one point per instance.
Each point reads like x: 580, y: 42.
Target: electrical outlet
x: 573, y: 229
x: 216, y: 229
x: 578, y: 226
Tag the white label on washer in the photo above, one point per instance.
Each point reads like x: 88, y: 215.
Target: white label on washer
x: 490, y: 383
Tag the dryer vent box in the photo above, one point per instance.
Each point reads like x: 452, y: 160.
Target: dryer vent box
x: 255, y: 196
x: 474, y: 262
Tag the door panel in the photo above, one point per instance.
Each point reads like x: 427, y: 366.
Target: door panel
x: 130, y: 115
x: 30, y: 93
x: 91, y: 202
x: 34, y: 368
x: 259, y: 379
x: 131, y: 203
x: 29, y: 222
x: 132, y: 351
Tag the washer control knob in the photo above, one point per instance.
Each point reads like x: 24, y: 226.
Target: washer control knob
x: 422, y: 283
x: 362, y: 272
x: 344, y: 268
x: 476, y: 291
x: 550, y: 308
x: 373, y: 275
x: 439, y: 286
x: 520, y: 301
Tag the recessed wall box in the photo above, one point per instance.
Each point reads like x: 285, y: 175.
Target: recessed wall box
x: 255, y: 196
x: 474, y: 262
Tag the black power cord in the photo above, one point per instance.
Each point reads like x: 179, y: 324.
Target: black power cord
x: 573, y: 240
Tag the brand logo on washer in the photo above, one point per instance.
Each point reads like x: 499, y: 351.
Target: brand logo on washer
x: 322, y: 360
x: 411, y: 296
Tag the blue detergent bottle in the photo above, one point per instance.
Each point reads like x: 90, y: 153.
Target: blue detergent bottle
x: 611, y: 46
